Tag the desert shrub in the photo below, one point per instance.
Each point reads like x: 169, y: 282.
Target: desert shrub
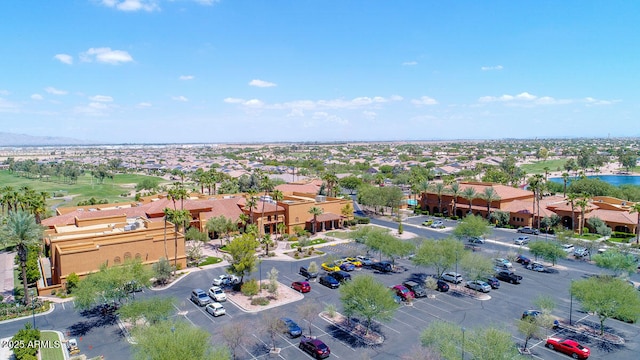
x: 250, y: 288
x: 262, y: 301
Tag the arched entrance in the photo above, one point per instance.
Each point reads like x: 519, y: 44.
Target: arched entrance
x: 567, y: 222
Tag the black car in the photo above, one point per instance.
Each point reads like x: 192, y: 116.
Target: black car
x: 528, y: 230
x: 382, y: 266
x: 493, y: 282
x: 341, y: 276
x: 314, y: 347
x: 417, y: 289
x: 329, y: 281
x: 509, y: 277
x: 307, y: 274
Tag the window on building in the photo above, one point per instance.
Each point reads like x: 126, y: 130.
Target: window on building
x: 127, y: 256
x: 116, y: 260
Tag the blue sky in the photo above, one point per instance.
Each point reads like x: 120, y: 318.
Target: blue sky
x: 207, y: 71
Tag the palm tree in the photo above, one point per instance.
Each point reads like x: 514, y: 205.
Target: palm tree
x: 635, y: 208
x: 583, y: 203
x: 315, y: 211
x: 177, y: 217
x: 565, y: 179
x: 454, y: 189
x: 489, y: 195
x: 536, y: 182
x: 252, y: 202
x: 22, y: 231
x: 469, y: 193
x: 277, y: 195
x: 266, y: 185
x: 571, y: 200
x: 439, y: 189
x: 331, y: 180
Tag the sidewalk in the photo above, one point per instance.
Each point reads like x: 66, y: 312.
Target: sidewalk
x: 6, y: 275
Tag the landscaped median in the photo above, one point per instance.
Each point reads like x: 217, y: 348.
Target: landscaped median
x: 285, y: 295
x: 352, y: 327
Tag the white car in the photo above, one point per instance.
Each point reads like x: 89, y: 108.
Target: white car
x: 216, y: 309
x: 452, y: 277
x: 437, y: 225
x: 522, y: 240
x: 568, y: 248
x: 226, y: 280
x: 217, y: 294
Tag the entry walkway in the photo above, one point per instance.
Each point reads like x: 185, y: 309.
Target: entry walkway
x: 6, y: 275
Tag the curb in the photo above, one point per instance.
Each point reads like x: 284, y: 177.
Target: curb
x: 298, y: 297
x: 52, y: 307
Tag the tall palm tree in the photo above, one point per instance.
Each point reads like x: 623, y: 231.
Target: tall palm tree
x: 252, y: 202
x: 469, y: 193
x: 332, y: 181
x: 266, y: 185
x: 536, y: 183
x: 177, y: 218
x: 22, y: 231
x: 315, y: 211
x: 571, y: 200
x: 489, y: 195
x: 635, y: 208
x: 277, y: 195
x: 454, y: 190
x: 439, y: 189
x: 565, y: 179
x: 582, y: 203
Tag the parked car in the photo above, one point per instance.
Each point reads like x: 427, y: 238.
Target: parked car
x: 329, y: 281
x: 505, y: 262
x: 347, y: 266
x: 301, y: 286
x: 354, y: 261
x: 475, y: 240
x: 569, y: 347
x: 437, y: 225
x: 403, y: 292
x: 199, y: 297
x: 418, y: 290
x: 216, y: 309
x: 536, y: 266
x: 580, y: 252
x: 442, y: 286
x: 493, y: 282
x: 382, y: 266
x: 291, y: 327
x: 340, y: 275
x: 479, y: 285
x: 226, y: 280
x: 568, y: 248
x: 508, y: 276
x: 531, y: 313
x: 307, y: 274
x: 366, y: 262
x: 329, y: 267
x: 521, y: 240
x: 314, y: 347
x: 523, y: 260
x: 452, y: 277
x: 528, y: 230
x: 217, y: 294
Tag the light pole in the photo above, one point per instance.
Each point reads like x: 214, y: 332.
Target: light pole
x: 33, y: 312
x: 463, y: 329
x: 571, y: 303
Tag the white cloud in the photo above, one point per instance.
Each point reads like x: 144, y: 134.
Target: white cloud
x: 526, y: 96
x: 179, y: 98
x: 64, y: 58
x: 489, y: 68
x: 187, y: 77
x: 106, y: 55
x: 101, y: 98
x: 54, y: 91
x: 132, y: 5
x: 409, y: 63
x: 144, y: 105
x: 591, y: 101
x: 525, y: 99
x: 92, y: 109
x: 206, y: 2
x: 37, y: 97
x: 231, y: 100
x: 323, y: 116
x: 254, y: 103
x: 370, y: 115
x: 261, y: 83
x: 424, y: 100
x: 296, y: 113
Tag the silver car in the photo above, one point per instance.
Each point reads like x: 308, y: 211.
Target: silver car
x: 522, y: 240
x: 479, y: 285
x: 452, y: 277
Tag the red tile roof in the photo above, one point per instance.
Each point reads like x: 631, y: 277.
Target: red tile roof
x: 614, y: 216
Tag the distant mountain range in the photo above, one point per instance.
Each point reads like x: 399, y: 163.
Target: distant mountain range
x: 9, y: 139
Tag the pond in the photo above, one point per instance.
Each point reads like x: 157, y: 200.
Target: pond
x: 615, y: 180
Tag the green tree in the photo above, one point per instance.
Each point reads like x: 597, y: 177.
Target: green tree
x: 21, y: 231
x: 469, y: 194
x: 315, y: 211
x: 489, y: 195
x: 350, y: 183
x: 150, y: 310
x: 439, y: 189
x: 273, y: 326
x: 548, y: 250
x: 178, y: 218
x: 583, y: 204
x: 235, y: 335
x: 530, y: 329
x: 26, y: 336
x: 162, y: 271
x: 472, y: 226
x: 635, y: 208
x: 72, y: 282
x: 607, y: 296
x: 168, y: 340
x: 476, y: 266
x: 618, y: 262
x: 440, y: 254
x: 454, y: 190
x: 367, y: 297
x: 242, y: 255
x: 110, y: 284
x: 500, y: 218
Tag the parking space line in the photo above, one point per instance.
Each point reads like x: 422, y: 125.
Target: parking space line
x: 413, y: 316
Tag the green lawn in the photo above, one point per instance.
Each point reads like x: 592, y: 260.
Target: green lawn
x: 210, y: 260
x: 85, y: 188
x: 51, y: 352
x: 538, y: 167
x: 338, y: 234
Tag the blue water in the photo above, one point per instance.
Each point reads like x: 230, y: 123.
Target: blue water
x: 615, y: 180
x: 412, y: 202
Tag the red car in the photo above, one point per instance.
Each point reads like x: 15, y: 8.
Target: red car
x: 403, y: 292
x: 302, y: 286
x: 569, y: 347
